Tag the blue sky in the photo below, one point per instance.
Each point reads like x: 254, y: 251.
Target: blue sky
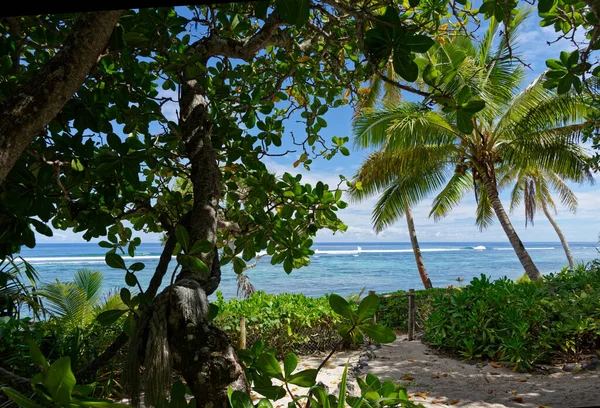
x: 459, y: 226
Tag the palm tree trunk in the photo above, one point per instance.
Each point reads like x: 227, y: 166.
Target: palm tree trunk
x: 560, y: 234
x: 489, y: 182
x: 416, y: 250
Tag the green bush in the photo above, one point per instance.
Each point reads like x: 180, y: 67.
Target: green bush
x: 524, y: 322
x: 286, y: 322
x: 393, y: 311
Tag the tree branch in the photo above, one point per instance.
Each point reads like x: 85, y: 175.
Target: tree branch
x: 242, y: 49
x: 33, y: 105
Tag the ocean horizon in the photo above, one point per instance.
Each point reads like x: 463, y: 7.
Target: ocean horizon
x: 336, y: 267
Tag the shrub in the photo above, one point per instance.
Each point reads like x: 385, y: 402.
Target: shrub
x: 287, y: 322
x: 524, y: 323
x: 393, y: 311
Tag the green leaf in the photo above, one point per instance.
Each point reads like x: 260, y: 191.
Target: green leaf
x: 213, y: 311
x: 431, y: 75
x: 130, y: 279
x: 198, y: 265
x: 84, y: 389
x: 554, y: 64
x: 138, y: 266
x: 59, y: 380
x: 305, y: 378
x: 182, y: 237
x: 272, y: 392
x: 238, y: 399
x: 178, y: 392
x: 115, y: 261
x: 414, y: 3
x: 545, y: 6
x: 464, y: 121
x: 294, y: 12
x: 261, y: 8
x: 573, y: 59
x: 133, y: 38
x: 418, y: 43
x: 378, y: 333
x: 110, y: 316
x: 564, y: 85
x: 76, y: 165
x: 20, y: 399
x: 405, y: 67
x: 368, y: 307
x: 341, y: 306
x: 473, y: 106
x: 125, y: 295
x: 238, y: 265
x: 290, y: 362
x: 269, y: 366
x: 201, y: 247
x: 342, y: 394
x: 463, y: 95
x: 129, y: 325
x: 264, y: 403
x: 37, y: 355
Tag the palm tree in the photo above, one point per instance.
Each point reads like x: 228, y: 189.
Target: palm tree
x: 76, y: 304
x: 532, y: 187
x: 483, y: 121
x: 372, y: 167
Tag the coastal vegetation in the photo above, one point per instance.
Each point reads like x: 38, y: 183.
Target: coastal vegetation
x: 103, y: 115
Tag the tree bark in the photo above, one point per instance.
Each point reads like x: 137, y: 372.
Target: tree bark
x: 560, y: 234
x: 201, y: 352
x: 489, y: 181
x: 34, y: 104
x: 417, y: 250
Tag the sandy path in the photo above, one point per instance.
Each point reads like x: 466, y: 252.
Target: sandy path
x: 445, y: 381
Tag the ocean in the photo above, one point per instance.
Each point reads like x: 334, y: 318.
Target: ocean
x: 342, y: 268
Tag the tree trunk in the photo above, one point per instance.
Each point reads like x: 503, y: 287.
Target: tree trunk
x: 560, y: 234
x: 201, y: 352
x: 489, y: 181
x: 34, y: 104
x: 416, y: 250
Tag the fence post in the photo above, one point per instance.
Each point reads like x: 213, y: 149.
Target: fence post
x: 242, y: 340
x: 411, y: 314
x: 372, y: 292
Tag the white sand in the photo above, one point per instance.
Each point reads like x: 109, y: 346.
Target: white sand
x: 435, y: 380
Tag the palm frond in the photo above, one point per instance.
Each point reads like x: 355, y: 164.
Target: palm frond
x: 90, y: 282
x: 485, y: 214
x: 403, y: 193
x: 450, y: 196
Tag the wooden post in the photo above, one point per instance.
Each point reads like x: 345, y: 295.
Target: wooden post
x: 242, y: 341
x: 372, y: 292
x: 411, y: 314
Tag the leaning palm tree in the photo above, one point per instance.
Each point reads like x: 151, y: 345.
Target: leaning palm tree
x: 478, y: 121
x: 533, y: 187
x: 371, y: 168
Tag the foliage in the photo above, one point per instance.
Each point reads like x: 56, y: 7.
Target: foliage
x: 262, y: 367
x: 75, y: 304
x: 393, y: 311
x: 287, y: 322
x: 521, y: 322
x: 55, y: 386
x: 18, y: 280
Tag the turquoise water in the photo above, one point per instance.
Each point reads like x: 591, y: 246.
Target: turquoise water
x: 336, y: 267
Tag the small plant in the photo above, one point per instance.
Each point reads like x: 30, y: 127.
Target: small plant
x: 55, y: 386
